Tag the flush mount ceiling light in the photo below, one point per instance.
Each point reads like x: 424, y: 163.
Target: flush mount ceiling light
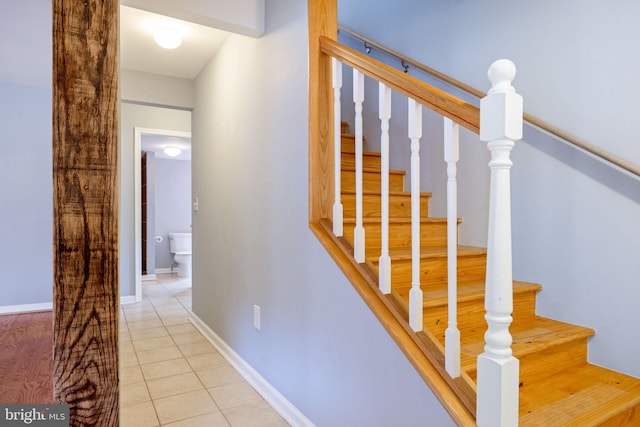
x: 172, y: 151
x: 167, y: 37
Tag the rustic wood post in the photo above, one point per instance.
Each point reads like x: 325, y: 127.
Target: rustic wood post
x: 85, y: 179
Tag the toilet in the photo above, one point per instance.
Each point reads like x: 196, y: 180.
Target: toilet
x: 180, y: 246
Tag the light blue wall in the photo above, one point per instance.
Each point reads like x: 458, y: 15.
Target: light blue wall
x: 26, y: 195
x: 319, y: 345
x: 172, y: 204
x: 574, y: 219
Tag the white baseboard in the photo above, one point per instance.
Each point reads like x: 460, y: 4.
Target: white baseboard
x: 289, y: 412
x: 129, y: 299
x: 25, y: 308
x: 148, y: 277
x: 163, y: 270
x: 46, y: 306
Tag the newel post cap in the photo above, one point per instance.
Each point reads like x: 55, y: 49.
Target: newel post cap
x: 501, y: 110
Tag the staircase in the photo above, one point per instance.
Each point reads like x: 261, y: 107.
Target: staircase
x: 558, y: 387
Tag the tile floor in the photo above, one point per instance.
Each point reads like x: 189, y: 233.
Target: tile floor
x: 170, y: 375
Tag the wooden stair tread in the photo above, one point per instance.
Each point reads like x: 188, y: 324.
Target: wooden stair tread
x: 438, y: 252
x: 584, y: 396
x: 391, y: 193
x: 397, y: 220
x: 374, y: 170
x: 539, y: 335
x: 470, y: 291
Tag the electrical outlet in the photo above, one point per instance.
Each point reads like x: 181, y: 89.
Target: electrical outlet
x: 256, y: 317
x: 195, y: 204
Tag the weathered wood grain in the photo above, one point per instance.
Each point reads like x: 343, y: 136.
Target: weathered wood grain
x: 85, y: 176
x: 26, y: 358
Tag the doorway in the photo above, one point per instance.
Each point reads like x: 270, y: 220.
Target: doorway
x: 154, y: 142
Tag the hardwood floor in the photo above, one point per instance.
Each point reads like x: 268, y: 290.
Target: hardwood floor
x: 26, y: 358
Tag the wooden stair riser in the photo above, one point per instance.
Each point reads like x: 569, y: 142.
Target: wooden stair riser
x: 399, y: 205
x: 433, y: 233
x: 540, y: 364
x: 348, y: 143
x: 371, y: 181
x: 370, y: 161
x: 433, y: 271
x: 471, y: 322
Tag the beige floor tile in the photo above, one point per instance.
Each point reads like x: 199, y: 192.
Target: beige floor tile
x: 158, y: 355
x: 165, y: 368
x: 173, y: 385
x: 130, y: 375
x: 134, y: 394
x: 175, y: 320
x: 197, y: 349
x: 145, y: 324
x: 141, y: 415
x: 141, y: 317
x: 214, y: 419
x: 183, y: 406
x: 219, y: 376
x: 183, y: 329
x: 254, y: 416
x: 142, y: 334
x: 195, y: 338
x: 207, y: 361
x: 153, y: 343
x: 232, y: 395
x: 128, y: 359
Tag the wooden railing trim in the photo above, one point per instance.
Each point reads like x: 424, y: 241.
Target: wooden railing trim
x: 566, y: 137
x: 447, y: 105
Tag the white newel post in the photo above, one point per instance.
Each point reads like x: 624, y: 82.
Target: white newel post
x: 384, y: 262
x: 337, y: 143
x: 452, y: 334
x: 358, y: 99
x: 415, y: 294
x: 498, y: 370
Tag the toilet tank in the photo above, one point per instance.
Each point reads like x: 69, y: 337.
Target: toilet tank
x: 180, y: 242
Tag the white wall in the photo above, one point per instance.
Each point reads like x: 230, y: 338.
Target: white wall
x: 26, y: 196
x: 172, y: 204
x: 575, y: 220
x: 154, y: 89
x: 319, y: 345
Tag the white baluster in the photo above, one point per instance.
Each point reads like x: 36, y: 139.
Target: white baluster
x: 384, y: 262
x: 415, y: 295
x: 358, y: 99
x: 498, y: 370
x: 452, y: 334
x: 337, y: 140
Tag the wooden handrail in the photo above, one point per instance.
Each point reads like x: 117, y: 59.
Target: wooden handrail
x: 459, y: 111
x: 554, y: 131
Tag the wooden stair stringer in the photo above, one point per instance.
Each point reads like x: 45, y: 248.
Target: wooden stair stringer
x: 457, y: 396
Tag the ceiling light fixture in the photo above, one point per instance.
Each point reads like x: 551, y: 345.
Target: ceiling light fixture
x: 172, y: 151
x: 167, y: 37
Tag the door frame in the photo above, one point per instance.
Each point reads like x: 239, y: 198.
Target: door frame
x: 137, y: 182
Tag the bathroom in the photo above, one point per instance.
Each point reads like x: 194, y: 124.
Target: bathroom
x: 166, y: 204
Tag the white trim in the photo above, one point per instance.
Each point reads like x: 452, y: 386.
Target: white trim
x: 164, y: 270
x: 149, y: 277
x: 47, y: 306
x: 25, y: 308
x: 289, y: 412
x: 128, y: 299
x: 137, y: 197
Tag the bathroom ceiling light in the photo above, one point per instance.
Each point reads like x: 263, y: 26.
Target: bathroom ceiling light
x: 167, y: 38
x: 172, y: 151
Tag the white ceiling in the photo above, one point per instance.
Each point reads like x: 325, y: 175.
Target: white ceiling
x: 139, y: 52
